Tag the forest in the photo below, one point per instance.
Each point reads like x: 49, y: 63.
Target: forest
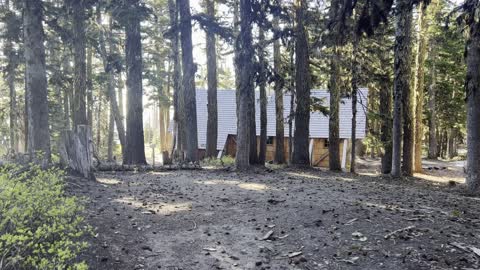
x: 239, y: 134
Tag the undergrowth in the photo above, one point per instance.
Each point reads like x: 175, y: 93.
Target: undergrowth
x: 40, y: 226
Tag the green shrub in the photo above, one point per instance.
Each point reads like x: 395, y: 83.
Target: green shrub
x: 215, y: 162
x: 40, y: 226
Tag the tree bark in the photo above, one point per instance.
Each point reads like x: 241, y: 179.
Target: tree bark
x: 333, y: 123
x: 432, y: 120
x: 10, y: 78
x: 115, y: 108
x: 99, y: 122
x: 355, y: 69
x: 408, y: 99
x: 111, y: 127
x: 121, y: 106
x: 80, y: 68
x: 189, y: 70
x: 263, y: 98
x: 402, y: 89
x: 301, y: 154
x: 244, y: 63
x: 386, y: 114
x: 420, y: 84
x: 253, y: 159
x: 10, y: 71
x: 26, y: 112
x: 178, y: 101
x: 334, y: 88
x: 451, y: 143
x: 90, y: 86
x: 36, y: 81
x: 292, y: 106
x: 66, y: 92
x: 135, y: 144
x: 279, y: 119
x: 212, y: 123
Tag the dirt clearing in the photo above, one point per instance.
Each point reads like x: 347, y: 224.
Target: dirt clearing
x: 281, y: 219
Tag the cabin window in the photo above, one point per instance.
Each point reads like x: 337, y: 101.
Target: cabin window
x: 269, y: 140
x: 326, y: 143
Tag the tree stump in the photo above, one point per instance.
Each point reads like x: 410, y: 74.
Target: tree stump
x: 76, y: 150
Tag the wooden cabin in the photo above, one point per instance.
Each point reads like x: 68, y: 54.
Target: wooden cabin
x: 227, y: 125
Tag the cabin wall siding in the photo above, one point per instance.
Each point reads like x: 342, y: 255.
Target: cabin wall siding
x: 227, y: 116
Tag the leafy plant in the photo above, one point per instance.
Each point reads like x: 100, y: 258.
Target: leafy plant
x: 40, y: 226
x: 225, y: 161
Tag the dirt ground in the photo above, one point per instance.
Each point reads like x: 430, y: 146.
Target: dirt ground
x: 278, y: 219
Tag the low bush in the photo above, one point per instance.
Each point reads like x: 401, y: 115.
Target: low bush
x: 40, y: 226
x: 225, y: 161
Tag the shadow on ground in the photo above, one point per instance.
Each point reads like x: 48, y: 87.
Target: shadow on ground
x: 280, y: 219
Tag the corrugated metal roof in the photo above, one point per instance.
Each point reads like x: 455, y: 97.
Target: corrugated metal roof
x: 227, y: 118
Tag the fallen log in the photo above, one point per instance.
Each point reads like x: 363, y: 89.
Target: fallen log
x: 144, y: 168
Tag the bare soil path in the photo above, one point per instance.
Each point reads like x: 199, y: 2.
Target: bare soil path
x: 280, y: 219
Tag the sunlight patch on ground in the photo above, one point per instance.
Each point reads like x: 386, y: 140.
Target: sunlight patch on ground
x: 304, y: 175
x: 320, y: 177
x: 162, y: 173
x: 160, y: 208
x: 108, y: 181
x: 253, y: 186
x: 372, y: 174
x: 346, y: 179
x: 242, y: 185
x: 440, y: 178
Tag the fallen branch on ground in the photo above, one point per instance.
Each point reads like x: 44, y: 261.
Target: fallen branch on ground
x: 398, y: 231
x: 145, y: 168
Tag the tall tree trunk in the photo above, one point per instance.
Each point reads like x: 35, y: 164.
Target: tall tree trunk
x: 26, y: 112
x: 334, y: 88
x: 386, y: 113
x: 402, y: 90
x: 253, y: 153
x: 80, y: 68
x: 135, y: 144
x: 121, y: 103
x: 244, y: 64
x: 333, y: 123
x: 291, y: 114
x: 89, y: 86
x: 178, y: 101
x: 355, y: 69
x: 66, y: 111
x: 115, y: 108
x: 408, y: 101
x: 36, y: 80
x: 279, y: 118
x: 212, y: 123
x: 13, y: 99
x: 99, y: 122
x: 420, y: 83
x: 10, y: 69
x: 189, y: 70
x: 111, y: 127
x: 301, y: 154
x: 432, y: 120
x: 451, y: 143
x: 263, y: 98
x: 66, y: 91
x: 444, y: 144
x: 163, y: 128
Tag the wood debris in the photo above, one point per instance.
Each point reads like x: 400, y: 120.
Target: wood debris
x: 466, y: 248
x: 294, y: 254
x: 267, y: 236
x: 387, y: 236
